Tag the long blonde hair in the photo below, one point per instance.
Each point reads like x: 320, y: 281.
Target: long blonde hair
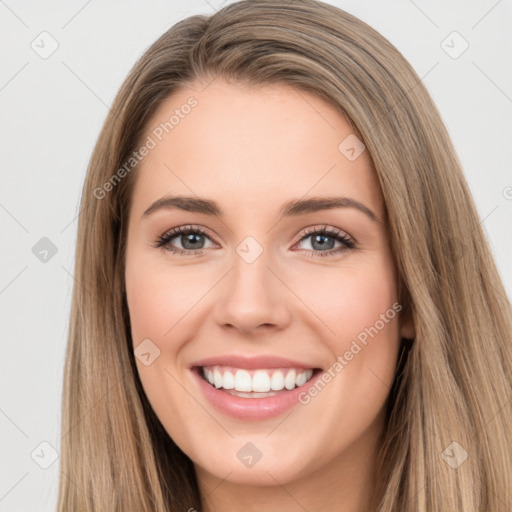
x: 453, y: 383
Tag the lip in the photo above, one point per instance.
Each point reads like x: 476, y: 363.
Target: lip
x: 252, y: 362
x: 251, y: 408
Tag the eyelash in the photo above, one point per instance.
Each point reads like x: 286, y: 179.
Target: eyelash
x: 164, y: 240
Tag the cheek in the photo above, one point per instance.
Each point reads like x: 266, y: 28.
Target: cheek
x: 349, y: 299
x: 359, y: 310
x: 160, y: 306
x: 159, y: 301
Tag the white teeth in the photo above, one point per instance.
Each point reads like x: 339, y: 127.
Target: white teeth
x: 217, y: 378
x: 243, y: 381
x: 289, y: 380
x: 259, y: 381
x: 300, y: 379
x: 229, y: 381
x: 277, y: 381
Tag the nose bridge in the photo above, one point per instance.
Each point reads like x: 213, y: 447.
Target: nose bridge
x: 252, y: 295
x: 250, y: 275
x: 251, y: 281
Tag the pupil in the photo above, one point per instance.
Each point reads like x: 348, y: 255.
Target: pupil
x: 322, y: 245
x: 189, y: 240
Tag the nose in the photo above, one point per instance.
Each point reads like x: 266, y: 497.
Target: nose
x: 253, y: 297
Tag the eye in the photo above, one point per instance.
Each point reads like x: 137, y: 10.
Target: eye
x: 190, y: 238
x: 325, y: 238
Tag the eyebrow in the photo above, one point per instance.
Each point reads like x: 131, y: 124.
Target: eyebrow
x: 291, y: 208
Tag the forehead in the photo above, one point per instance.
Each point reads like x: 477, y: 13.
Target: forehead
x: 252, y: 146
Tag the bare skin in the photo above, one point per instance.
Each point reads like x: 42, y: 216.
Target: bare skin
x: 251, y: 150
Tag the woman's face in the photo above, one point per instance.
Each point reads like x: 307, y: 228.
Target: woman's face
x: 290, y: 277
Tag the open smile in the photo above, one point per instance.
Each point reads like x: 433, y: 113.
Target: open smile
x: 253, y: 393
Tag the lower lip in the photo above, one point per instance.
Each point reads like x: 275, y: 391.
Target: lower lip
x: 251, y: 408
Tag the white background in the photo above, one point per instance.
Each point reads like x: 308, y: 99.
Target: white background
x: 52, y: 111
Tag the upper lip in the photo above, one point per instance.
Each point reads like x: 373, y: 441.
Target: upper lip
x: 252, y: 362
